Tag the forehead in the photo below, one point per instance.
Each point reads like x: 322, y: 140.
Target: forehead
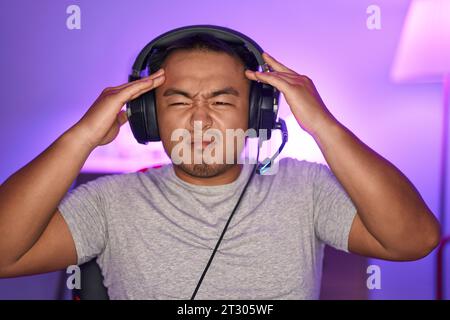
x: 201, y: 67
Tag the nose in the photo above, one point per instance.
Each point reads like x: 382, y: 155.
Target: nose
x: 200, y: 113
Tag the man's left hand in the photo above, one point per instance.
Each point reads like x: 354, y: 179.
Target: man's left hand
x: 299, y: 91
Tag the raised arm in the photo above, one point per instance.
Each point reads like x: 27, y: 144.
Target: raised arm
x: 392, y: 222
x: 35, y: 238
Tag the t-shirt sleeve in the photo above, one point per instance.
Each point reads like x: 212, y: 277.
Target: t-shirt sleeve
x: 83, y: 209
x: 333, y: 209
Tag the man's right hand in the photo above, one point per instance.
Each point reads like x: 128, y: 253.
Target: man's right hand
x: 35, y: 237
x: 101, y: 123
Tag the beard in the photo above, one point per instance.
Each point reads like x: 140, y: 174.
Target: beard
x: 204, y: 170
x: 209, y: 168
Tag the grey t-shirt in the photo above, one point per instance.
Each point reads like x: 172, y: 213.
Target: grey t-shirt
x: 153, y: 233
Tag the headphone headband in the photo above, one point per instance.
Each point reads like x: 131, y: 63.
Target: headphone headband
x: 219, y: 32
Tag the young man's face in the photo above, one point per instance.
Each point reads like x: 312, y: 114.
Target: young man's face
x: 198, y: 74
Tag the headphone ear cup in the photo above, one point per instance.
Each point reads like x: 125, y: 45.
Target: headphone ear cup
x: 150, y: 116
x: 269, y: 109
x: 263, y: 108
x: 254, y: 106
x: 141, y: 113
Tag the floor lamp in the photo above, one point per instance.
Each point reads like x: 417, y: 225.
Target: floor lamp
x: 423, y: 55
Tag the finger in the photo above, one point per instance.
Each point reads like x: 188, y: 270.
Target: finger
x: 132, y: 92
x: 297, y: 79
x: 152, y: 76
x: 122, y: 117
x: 269, y: 78
x: 289, y: 78
x: 286, y: 74
x: 252, y: 75
x: 276, y: 65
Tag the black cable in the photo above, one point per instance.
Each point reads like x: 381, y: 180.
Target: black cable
x: 228, y: 222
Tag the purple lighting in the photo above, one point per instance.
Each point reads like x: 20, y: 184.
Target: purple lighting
x: 52, y: 74
x: 424, y: 50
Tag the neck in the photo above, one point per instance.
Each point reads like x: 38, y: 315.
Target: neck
x: 226, y: 177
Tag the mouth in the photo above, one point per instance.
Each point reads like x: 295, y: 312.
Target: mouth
x: 201, y: 143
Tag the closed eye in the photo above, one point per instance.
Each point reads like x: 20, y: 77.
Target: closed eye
x: 174, y: 104
x: 183, y: 103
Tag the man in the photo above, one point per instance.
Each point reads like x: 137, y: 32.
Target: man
x: 153, y: 233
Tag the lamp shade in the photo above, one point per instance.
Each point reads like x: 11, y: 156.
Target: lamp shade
x: 423, y: 54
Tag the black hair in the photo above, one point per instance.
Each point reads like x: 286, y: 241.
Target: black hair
x: 203, y: 42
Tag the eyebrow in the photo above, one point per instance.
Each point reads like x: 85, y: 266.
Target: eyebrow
x: 227, y: 90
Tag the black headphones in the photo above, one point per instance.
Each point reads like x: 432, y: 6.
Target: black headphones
x: 263, y: 99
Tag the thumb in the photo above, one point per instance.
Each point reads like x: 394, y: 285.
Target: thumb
x: 122, y: 117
